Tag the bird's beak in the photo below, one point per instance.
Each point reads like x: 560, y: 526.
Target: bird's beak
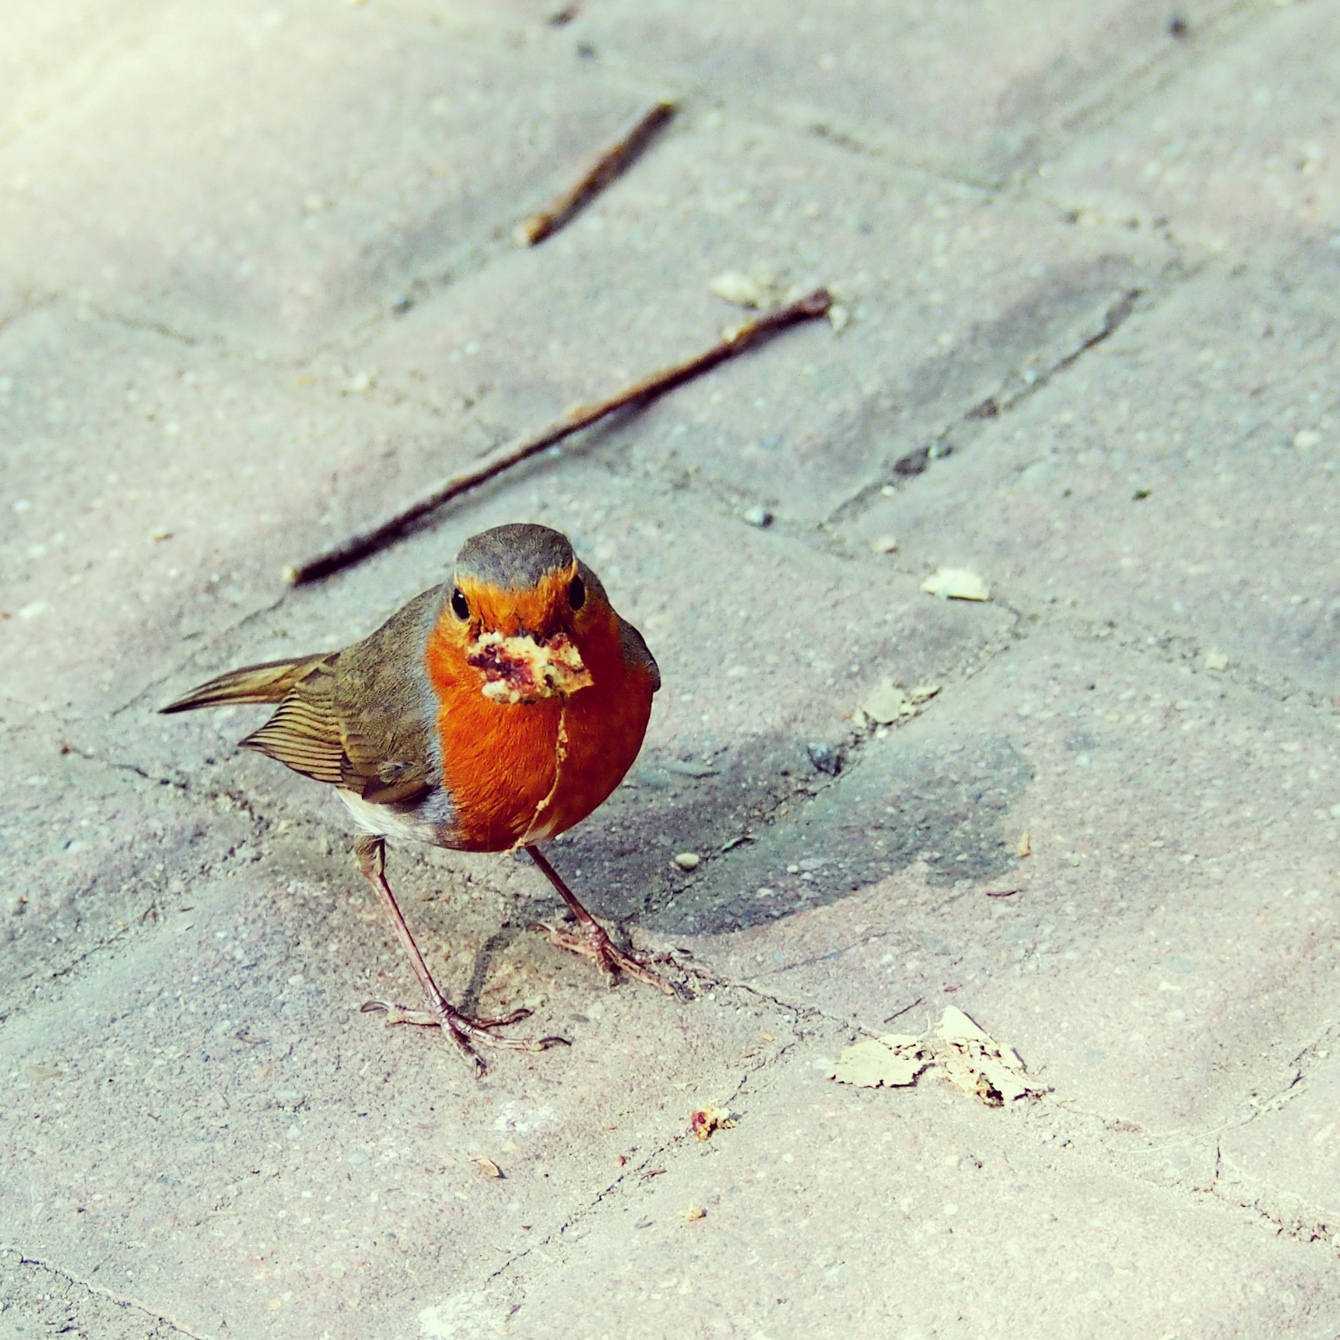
x: 524, y: 669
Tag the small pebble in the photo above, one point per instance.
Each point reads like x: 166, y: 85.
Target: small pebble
x: 956, y: 584
x: 884, y: 703
x: 884, y: 544
x: 758, y: 516
x: 1216, y: 660
x: 688, y: 860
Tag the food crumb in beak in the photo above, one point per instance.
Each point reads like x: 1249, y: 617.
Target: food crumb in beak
x: 521, y: 668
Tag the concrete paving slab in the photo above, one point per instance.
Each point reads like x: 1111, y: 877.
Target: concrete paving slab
x: 160, y: 486
x: 304, y: 220
x: 92, y: 857
x: 1239, y: 151
x: 284, y: 226
x: 53, y: 51
x: 953, y: 295
x: 971, y: 93
x: 904, y: 1213
x: 266, y: 1160
x: 38, y: 1299
x: 1284, y: 1163
x: 1180, y: 480
x: 1149, y: 977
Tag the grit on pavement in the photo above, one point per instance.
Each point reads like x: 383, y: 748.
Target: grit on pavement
x: 258, y: 285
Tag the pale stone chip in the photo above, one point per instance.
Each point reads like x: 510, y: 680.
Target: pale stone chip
x: 1216, y: 660
x: 884, y: 703
x: 892, y: 1061
x: 979, y: 1065
x: 1024, y: 847
x: 956, y: 584
x: 922, y: 693
x: 744, y: 290
x: 688, y: 860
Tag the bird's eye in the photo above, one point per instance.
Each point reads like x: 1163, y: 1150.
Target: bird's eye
x: 577, y: 593
x: 460, y: 606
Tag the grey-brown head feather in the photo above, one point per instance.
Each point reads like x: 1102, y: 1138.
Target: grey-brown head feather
x: 515, y: 557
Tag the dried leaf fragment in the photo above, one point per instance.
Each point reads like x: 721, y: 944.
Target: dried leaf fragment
x: 487, y: 1167
x: 705, y: 1120
x: 956, y: 584
x: 1025, y: 844
x: 979, y: 1065
x: 745, y: 290
x: 891, y: 1061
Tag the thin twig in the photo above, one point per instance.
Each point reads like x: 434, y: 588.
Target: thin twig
x: 898, y: 1014
x: 377, y: 536
x: 615, y: 160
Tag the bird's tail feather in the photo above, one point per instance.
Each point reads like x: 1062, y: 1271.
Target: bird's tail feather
x: 266, y: 683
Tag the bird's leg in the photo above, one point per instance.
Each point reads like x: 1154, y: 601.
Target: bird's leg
x: 592, y: 940
x: 370, y: 852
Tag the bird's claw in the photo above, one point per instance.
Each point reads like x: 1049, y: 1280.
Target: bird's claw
x: 593, y: 942
x: 466, y: 1032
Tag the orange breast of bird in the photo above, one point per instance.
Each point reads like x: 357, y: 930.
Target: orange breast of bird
x: 522, y: 772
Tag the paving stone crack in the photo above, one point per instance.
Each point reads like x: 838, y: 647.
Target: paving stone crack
x: 1014, y: 390
x: 99, y: 1291
x: 1147, y: 79
x: 630, y: 1176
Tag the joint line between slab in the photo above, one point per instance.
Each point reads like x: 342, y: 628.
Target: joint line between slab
x: 99, y: 1291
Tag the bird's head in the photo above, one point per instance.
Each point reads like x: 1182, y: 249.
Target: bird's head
x: 518, y: 609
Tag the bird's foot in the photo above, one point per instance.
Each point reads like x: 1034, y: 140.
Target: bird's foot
x: 592, y: 941
x: 466, y: 1032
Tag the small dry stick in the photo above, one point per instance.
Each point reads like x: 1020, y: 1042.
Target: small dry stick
x: 609, y: 165
x: 377, y: 536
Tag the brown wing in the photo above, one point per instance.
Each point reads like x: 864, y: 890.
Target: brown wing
x: 266, y: 683
x: 388, y: 709
x: 304, y: 733
x: 365, y: 719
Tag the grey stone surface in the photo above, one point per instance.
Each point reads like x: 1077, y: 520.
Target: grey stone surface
x: 1183, y: 478
x: 976, y: 92
x: 257, y: 286
x: 1237, y: 153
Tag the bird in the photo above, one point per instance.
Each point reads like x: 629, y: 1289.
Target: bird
x: 492, y: 713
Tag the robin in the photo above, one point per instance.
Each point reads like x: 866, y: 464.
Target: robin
x: 491, y: 713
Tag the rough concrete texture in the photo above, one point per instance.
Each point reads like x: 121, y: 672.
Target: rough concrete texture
x: 257, y: 286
